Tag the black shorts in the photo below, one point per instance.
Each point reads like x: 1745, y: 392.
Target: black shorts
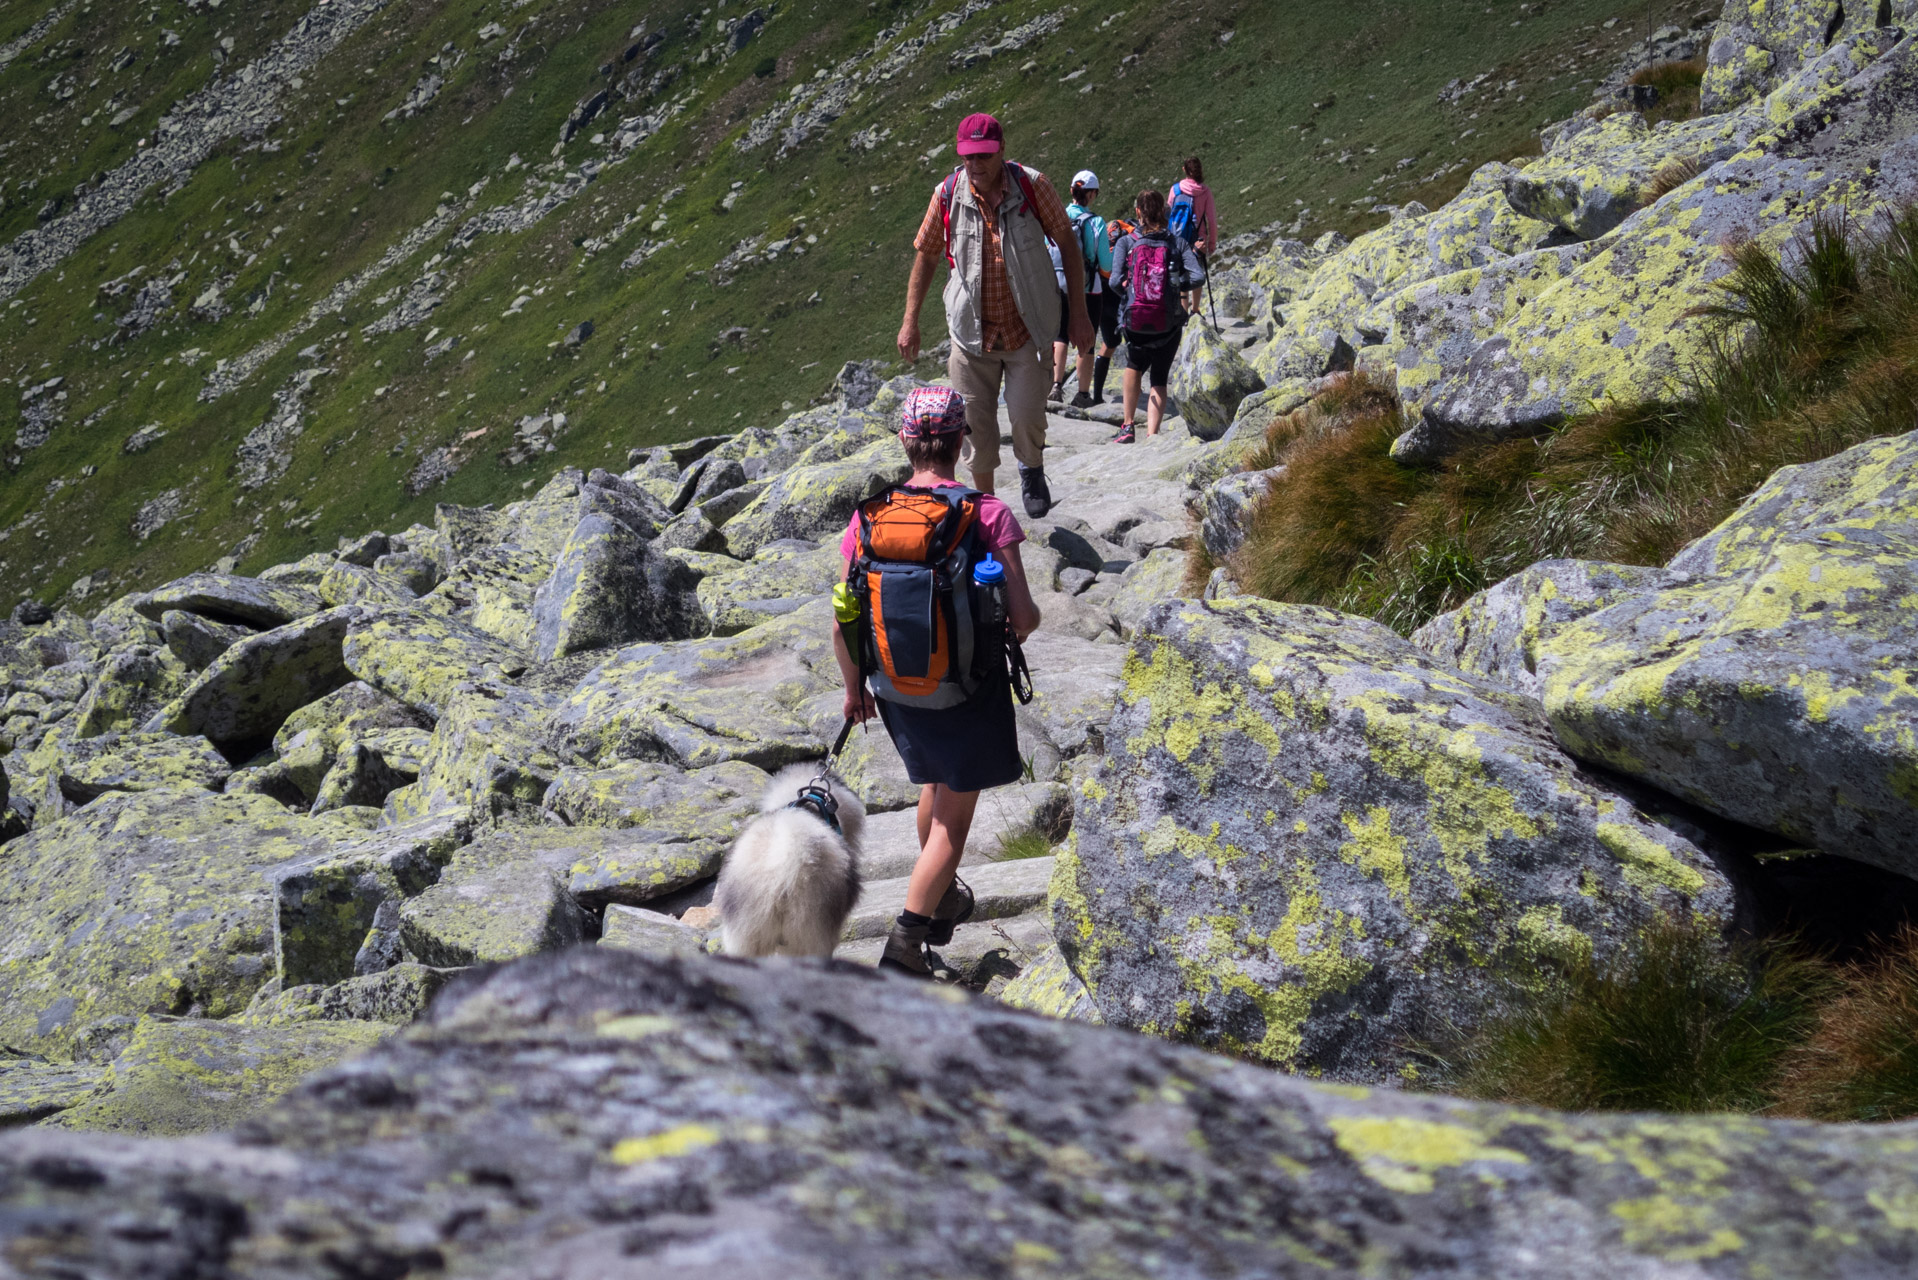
x: 1103, y: 307
x: 1153, y: 355
x: 969, y: 747
x: 1065, y: 318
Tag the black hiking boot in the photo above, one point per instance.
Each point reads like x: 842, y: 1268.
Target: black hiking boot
x: 954, y: 909
x: 1032, y: 488
x: 906, y: 950
x: 1084, y: 400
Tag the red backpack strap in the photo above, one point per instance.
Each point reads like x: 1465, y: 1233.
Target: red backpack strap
x: 1026, y: 188
x: 946, y: 192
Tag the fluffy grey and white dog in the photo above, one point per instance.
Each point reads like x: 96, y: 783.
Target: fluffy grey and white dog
x: 790, y: 880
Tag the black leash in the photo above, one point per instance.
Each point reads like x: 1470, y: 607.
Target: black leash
x: 816, y: 796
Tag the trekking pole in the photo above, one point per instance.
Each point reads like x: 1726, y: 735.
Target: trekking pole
x: 1209, y: 302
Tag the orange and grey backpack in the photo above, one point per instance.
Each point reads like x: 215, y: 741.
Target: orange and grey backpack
x: 912, y: 571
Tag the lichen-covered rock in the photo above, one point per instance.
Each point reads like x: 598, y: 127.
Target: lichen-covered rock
x: 1769, y: 680
x: 542, y: 522
x: 492, y: 589
x: 783, y: 577
x: 1227, y: 511
x: 249, y: 690
x: 1627, y: 324
x: 691, y: 530
x: 463, y: 530
x: 699, y: 703
x: 635, y: 929
x: 494, y: 902
x: 1310, y: 842
x: 322, y: 911
x: 195, y: 640
x: 679, y: 804
x: 1496, y: 633
x: 605, y: 1113
x: 1438, y: 325
x: 224, y: 597
x: 1158, y: 577
x: 347, y: 583
x: 631, y: 865
x: 351, y: 712
x: 397, y: 995
x: 812, y: 502
x: 143, y: 900
x: 1759, y: 43
x: 421, y: 658
x: 85, y: 769
x: 612, y: 587
x: 488, y: 751
x: 1209, y: 379
x: 32, y: 1089
x: 130, y: 686
x: 194, y: 1075
x: 364, y: 773
x: 1049, y: 986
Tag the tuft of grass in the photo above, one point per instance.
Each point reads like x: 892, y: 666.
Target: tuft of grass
x: 1862, y: 1063
x: 1672, y: 177
x: 1675, y: 1023
x: 1677, y: 84
x: 1026, y: 842
x: 1815, y: 352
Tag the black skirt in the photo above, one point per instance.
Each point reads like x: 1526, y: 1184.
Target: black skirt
x: 969, y: 747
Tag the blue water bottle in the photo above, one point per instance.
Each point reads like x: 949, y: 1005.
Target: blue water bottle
x: 989, y: 595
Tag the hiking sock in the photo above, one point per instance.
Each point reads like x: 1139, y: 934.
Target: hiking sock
x: 913, y: 920
x: 1100, y: 364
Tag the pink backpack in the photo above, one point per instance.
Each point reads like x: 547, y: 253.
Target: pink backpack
x: 1154, y: 306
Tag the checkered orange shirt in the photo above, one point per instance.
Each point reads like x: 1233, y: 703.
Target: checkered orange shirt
x: 1001, y: 327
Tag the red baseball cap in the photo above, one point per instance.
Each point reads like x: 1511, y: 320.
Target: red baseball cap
x: 979, y: 135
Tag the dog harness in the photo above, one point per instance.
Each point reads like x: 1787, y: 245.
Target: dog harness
x: 816, y: 796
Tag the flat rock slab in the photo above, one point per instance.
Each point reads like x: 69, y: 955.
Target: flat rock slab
x: 569, y: 1098
x: 599, y: 865
x: 636, y: 929
x: 700, y: 703
x: 494, y: 902
x: 226, y: 598
x: 421, y: 658
x: 1769, y: 678
x: 248, y: 691
x: 678, y: 804
x: 890, y: 845
x: 89, y: 768
x: 142, y: 900
x: 999, y: 889
x: 193, y: 1075
x: 1310, y: 842
x: 31, y: 1090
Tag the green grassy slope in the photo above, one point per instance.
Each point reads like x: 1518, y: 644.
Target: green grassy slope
x: 1309, y: 112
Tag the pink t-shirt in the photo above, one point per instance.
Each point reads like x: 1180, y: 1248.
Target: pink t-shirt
x: 998, y: 527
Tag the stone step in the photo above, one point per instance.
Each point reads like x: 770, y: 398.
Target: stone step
x: 890, y: 845
x: 1000, y: 889
x: 983, y: 954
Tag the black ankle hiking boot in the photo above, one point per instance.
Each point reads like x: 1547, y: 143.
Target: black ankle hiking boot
x: 1084, y: 400
x: 906, y: 950
x: 954, y: 909
x: 1032, y: 488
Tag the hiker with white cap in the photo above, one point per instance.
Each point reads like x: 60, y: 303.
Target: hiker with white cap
x: 1102, y: 302
x: 990, y: 220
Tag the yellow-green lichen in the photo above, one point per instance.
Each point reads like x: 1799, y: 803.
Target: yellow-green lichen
x: 1405, y: 1155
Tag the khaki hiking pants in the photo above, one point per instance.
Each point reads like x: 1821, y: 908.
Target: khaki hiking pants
x: 1026, y: 379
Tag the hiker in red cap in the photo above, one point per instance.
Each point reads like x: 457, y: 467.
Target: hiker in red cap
x: 1002, y: 299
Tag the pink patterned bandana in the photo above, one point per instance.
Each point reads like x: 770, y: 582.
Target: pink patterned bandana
x: 933, y: 411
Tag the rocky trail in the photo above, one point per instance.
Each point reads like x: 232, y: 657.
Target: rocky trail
x: 355, y: 915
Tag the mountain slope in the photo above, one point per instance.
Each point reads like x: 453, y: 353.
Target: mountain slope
x: 274, y: 275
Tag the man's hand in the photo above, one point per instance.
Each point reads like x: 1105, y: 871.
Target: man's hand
x: 859, y: 706
x: 909, y: 340
x: 1079, y: 327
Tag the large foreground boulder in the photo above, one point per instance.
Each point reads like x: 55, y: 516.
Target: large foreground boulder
x: 607, y: 1113
x: 1311, y: 843
x: 142, y: 901
x: 1209, y: 379
x: 1768, y: 677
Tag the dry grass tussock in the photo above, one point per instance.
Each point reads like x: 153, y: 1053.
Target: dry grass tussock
x: 1814, y: 354
x: 1677, y: 1023
x: 1677, y: 84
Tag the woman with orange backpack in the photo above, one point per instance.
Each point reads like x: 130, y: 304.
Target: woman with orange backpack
x: 935, y: 568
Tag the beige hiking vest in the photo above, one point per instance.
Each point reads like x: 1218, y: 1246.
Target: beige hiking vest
x: 1022, y: 242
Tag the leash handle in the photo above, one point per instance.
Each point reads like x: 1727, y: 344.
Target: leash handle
x: 839, y: 743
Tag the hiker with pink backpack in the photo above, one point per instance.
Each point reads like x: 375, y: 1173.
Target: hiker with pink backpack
x: 1152, y: 268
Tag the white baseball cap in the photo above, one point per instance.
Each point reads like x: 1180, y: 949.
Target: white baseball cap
x: 1086, y: 178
